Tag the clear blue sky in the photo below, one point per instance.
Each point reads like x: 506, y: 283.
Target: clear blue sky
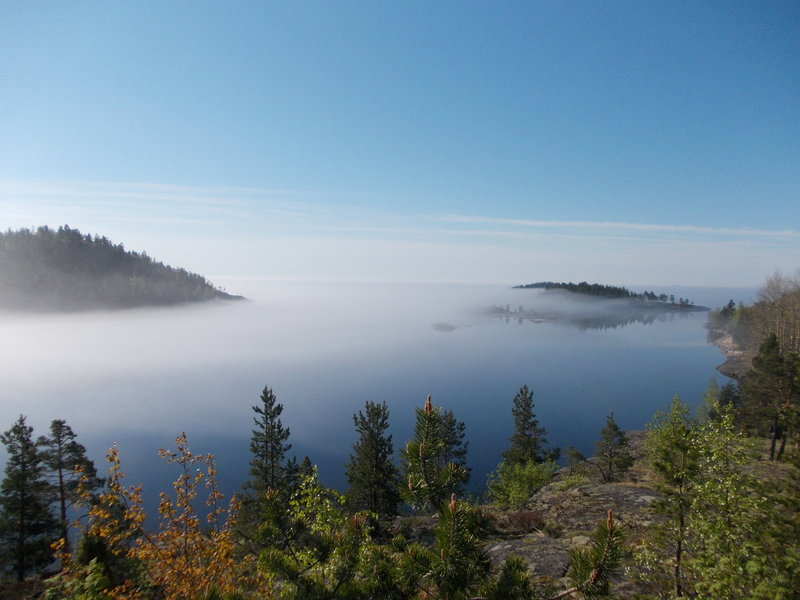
x: 625, y: 142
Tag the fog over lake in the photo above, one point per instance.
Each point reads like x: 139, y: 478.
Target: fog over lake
x: 138, y: 378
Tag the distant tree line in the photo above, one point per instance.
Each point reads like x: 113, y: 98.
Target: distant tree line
x: 606, y: 291
x: 62, y: 269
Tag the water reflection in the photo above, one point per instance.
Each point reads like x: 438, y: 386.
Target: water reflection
x: 585, y: 312
x: 609, y: 320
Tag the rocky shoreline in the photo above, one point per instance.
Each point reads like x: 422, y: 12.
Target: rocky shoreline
x: 738, y: 361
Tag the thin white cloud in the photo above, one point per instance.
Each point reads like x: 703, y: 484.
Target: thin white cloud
x: 419, y: 231
x: 609, y: 225
x: 120, y: 202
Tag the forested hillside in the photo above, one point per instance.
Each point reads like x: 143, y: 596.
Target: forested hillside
x: 65, y: 270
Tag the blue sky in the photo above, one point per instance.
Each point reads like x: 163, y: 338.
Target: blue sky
x: 626, y: 142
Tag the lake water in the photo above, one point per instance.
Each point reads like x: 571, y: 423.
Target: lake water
x: 138, y: 378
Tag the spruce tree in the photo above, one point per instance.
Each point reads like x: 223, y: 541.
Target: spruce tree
x: 371, y: 474
x: 715, y: 397
x: 612, y: 452
x: 528, y: 439
x: 27, y: 525
x: 69, y: 468
x: 269, y: 468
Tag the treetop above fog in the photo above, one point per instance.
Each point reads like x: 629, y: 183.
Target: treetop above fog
x: 607, y: 291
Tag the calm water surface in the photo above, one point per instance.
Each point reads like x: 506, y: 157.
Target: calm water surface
x: 139, y: 378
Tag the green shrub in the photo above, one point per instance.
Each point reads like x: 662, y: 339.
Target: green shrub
x: 511, y: 486
x: 572, y: 480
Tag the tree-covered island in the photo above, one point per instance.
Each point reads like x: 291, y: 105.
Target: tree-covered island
x: 594, y: 306
x: 613, y: 292
x: 53, y: 270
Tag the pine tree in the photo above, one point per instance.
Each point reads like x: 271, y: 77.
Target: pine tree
x: 430, y: 480
x: 590, y: 569
x: 268, y: 445
x: 69, y: 468
x: 673, y: 454
x: 612, y: 452
x: 528, y: 439
x: 27, y: 525
x: 456, y: 564
x: 455, y: 441
x: 371, y: 474
x: 771, y: 390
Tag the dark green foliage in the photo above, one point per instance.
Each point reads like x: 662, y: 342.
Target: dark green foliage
x: 269, y: 468
x: 70, y: 469
x: 576, y: 461
x: 63, y: 269
x: 94, y: 586
x: 612, y: 452
x: 728, y: 311
x: 591, y: 289
x: 528, y: 440
x: 456, y: 564
x: 514, y: 583
x: 114, y: 567
x: 771, y: 392
x: 372, y: 476
x: 725, y: 320
x: 27, y: 525
x: 429, y: 478
x: 454, y: 438
x: 729, y: 395
x: 305, y: 469
x: 591, y: 569
x: 606, y: 291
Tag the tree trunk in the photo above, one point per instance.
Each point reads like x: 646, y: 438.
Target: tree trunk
x: 679, y: 553
x: 782, y: 448
x: 773, y: 434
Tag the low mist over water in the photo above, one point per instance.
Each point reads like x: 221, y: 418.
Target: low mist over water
x: 140, y: 377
